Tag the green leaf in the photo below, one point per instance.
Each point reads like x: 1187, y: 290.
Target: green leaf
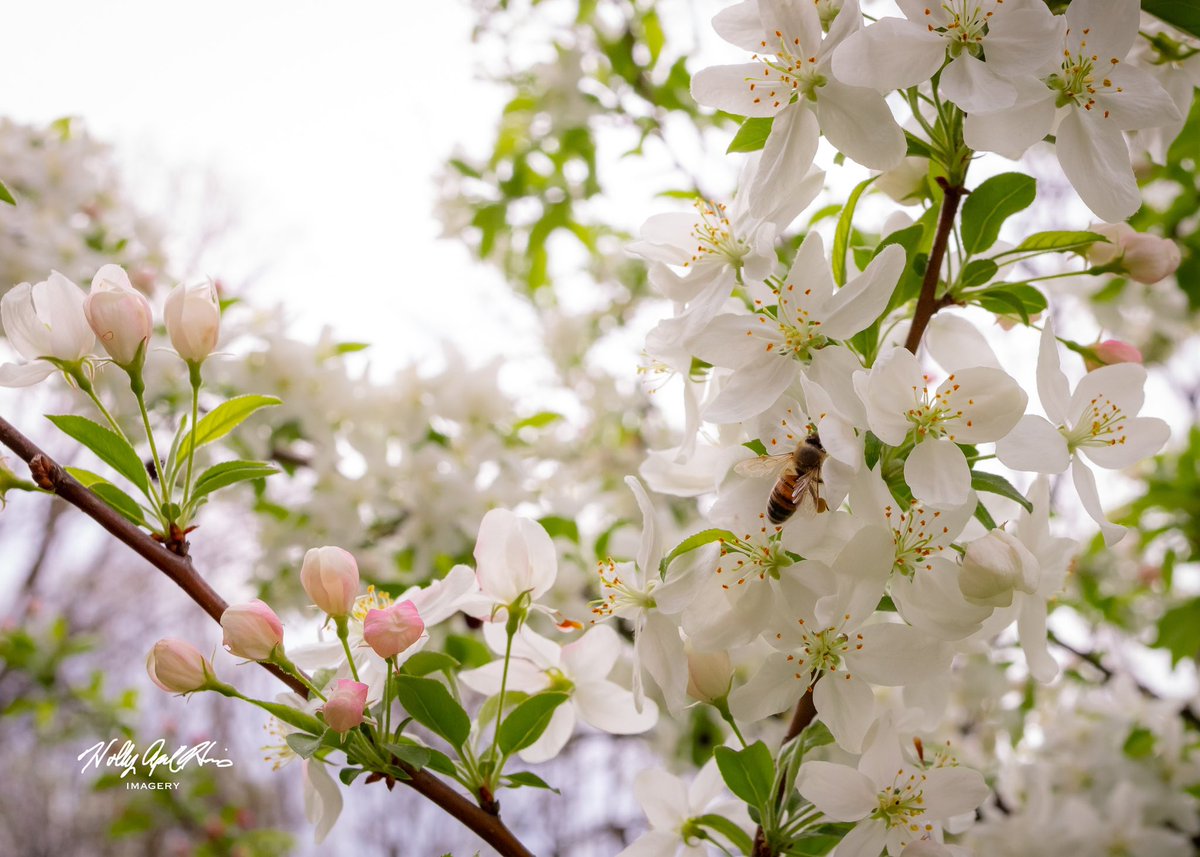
x: 349, y: 775
x: 694, y: 541
x: 653, y: 35
x: 841, y: 236
x: 560, y: 528
x: 424, y: 663
x: 86, y: 478
x: 229, y: 473
x: 120, y: 501
x: 223, y: 419
x: 303, y: 745
x: 749, y: 773
x: 109, y: 446
x: 752, y: 135
x: 1185, y: 16
x: 537, y: 421
x: 468, y: 651
x: 1139, y: 744
x: 431, y: 705
x: 413, y: 755
x: 1017, y: 299
x: 984, y: 516
x: 526, y: 723
x: 990, y: 204
x: 1055, y: 241
x: 993, y: 483
x: 6, y: 194
x: 1179, y: 631
x: 350, y: 347
x: 722, y: 825
x: 977, y: 273
x: 293, y: 717
x: 527, y: 779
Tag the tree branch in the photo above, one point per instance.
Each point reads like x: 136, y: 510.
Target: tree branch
x: 51, y: 477
x: 928, y: 303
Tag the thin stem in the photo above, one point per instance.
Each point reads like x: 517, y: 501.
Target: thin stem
x: 159, y: 498
x: 387, y: 699
x: 343, y: 632
x: 503, y: 687
x: 194, y: 375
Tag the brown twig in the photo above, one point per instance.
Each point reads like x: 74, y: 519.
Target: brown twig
x: 928, y: 302
x: 51, y: 477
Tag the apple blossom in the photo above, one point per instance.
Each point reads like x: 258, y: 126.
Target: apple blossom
x: 1144, y: 257
x: 994, y: 567
x: 514, y: 559
x: 579, y: 669
x: 1098, y: 422
x: 1093, y: 96
x: 119, y: 315
x: 177, y: 666
x: 46, y: 325
x: 990, y: 44
x: 343, y: 708
x: 709, y: 675
x: 252, y: 630
x: 792, y: 59
x: 767, y: 351
x: 671, y: 805
x: 193, y: 317
x: 330, y: 577
x: 393, y: 629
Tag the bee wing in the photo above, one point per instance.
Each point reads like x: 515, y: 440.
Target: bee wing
x: 808, y: 489
x: 764, y: 465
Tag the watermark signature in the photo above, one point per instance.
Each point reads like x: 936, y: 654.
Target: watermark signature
x: 127, y: 757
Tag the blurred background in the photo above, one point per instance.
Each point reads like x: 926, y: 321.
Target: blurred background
x: 416, y: 216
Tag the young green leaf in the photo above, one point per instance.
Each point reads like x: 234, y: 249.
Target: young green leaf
x: 120, y: 501
x: 1055, y: 242
x: 749, y: 773
x: 526, y: 723
x: 303, y: 745
x: 517, y: 779
x: 431, y: 705
x: 109, y: 446
x: 223, y: 419
x: 424, y: 663
x: 722, y: 825
x: 995, y: 484
x: 411, y: 754
x: 697, y: 540
x: 229, y: 473
x: 990, y: 204
x: 752, y: 135
x: 841, y: 235
x: 6, y: 194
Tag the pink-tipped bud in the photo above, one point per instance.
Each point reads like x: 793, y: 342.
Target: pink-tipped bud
x: 118, y: 314
x: 389, y: 632
x: 178, y: 667
x: 330, y: 577
x: 1112, y: 351
x: 193, y: 317
x: 1144, y: 257
x: 252, y: 630
x: 344, y: 708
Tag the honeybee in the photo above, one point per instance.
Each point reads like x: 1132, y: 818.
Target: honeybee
x: 798, y: 478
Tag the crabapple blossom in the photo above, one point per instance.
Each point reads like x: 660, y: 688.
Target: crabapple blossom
x: 514, y: 558
x: 119, y: 315
x: 252, y: 630
x: 193, y: 317
x: 767, y: 351
x: 45, y: 324
x: 1144, y: 257
x: 973, y: 405
x: 1092, y: 97
x: 995, y: 567
x: 992, y: 47
x: 792, y: 59
x: 709, y: 675
x: 177, y: 666
x: 343, y: 708
x: 671, y: 805
x: 1098, y: 421
x: 579, y: 669
x: 330, y: 577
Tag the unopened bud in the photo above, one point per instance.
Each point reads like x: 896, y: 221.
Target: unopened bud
x: 1111, y: 351
x: 1144, y: 257
x: 330, y: 577
x: 393, y: 630
x: 994, y: 567
x: 119, y: 315
x: 252, y: 630
x: 193, y: 317
x: 178, y: 667
x: 344, y: 708
x: 709, y: 675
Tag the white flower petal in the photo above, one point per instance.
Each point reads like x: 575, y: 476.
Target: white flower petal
x: 727, y: 87
x: 867, y: 839
x: 894, y: 654
x: 322, y: 799
x: 839, y: 791
x: 741, y: 25
x: 611, y: 708
x: 1053, y: 389
x: 1034, y: 445
x: 858, y: 122
x: 772, y: 689
x: 953, y: 791
x: 846, y: 705
x: 1012, y: 130
x: 752, y: 390
x: 1031, y: 629
x: 937, y: 473
x: 556, y: 736
x: 1089, y: 498
x: 974, y: 86
x: 25, y: 374
x: 593, y: 655
x: 663, y: 798
x: 1095, y: 158
x: 786, y: 157
x: 890, y: 54
x: 863, y: 299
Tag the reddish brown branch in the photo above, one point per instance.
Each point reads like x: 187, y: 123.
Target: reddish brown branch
x: 928, y: 302
x: 51, y: 477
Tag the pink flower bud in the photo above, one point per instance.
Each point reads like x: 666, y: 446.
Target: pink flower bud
x: 252, y: 630
x: 330, y: 577
x: 1112, y: 351
x: 118, y: 314
x: 1144, y: 257
x: 193, y: 317
x: 344, y: 708
x: 178, y: 667
x: 389, y: 632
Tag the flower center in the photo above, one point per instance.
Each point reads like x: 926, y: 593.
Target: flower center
x: 373, y: 600
x: 617, y: 595
x: 754, y: 556
x: 1075, y: 82
x: 930, y: 414
x: 1102, y: 423
x: 915, y: 533
x: 714, y: 235
x: 824, y: 650
x: 903, y: 802
x: 967, y: 27
x: 786, y: 72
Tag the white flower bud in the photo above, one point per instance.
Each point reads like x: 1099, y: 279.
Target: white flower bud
x: 996, y: 566
x: 1144, y: 257
x: 709, y: 675
x: 193, y: 317
x: 119, y: 315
